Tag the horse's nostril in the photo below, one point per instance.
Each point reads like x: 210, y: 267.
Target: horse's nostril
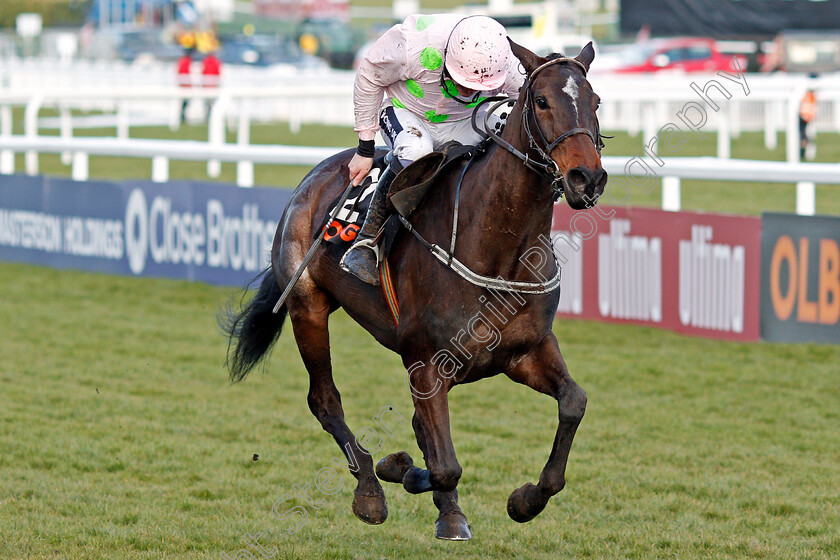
x: 578, y: 178
x: 600, y: 178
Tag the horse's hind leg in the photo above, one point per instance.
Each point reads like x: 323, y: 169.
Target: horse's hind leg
x: 309, y: 315
x: 545, y: 371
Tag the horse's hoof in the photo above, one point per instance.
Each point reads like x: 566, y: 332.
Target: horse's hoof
x: 371, y: 509
x: 393, y: 467
x: 452, y: 526
x: 526, y: 502
x: 416, y: 481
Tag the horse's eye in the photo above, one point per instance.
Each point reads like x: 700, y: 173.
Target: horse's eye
x: 541, y: 102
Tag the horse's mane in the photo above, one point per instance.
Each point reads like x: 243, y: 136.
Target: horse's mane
x: 555, y: 55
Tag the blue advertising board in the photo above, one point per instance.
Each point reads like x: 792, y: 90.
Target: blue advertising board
x: 800, y: 278
x: 208, y: 232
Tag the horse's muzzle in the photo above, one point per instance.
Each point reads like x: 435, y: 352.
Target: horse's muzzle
x: 584, y: 185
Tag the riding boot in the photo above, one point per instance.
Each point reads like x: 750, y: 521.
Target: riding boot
x: 362, y: 259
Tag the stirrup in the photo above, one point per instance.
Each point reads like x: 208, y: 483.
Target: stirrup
x: 368, y: 243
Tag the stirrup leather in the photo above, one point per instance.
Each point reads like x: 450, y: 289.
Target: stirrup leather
x: 369, y: 243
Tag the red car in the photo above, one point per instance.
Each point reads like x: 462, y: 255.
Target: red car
x: 675, y: 55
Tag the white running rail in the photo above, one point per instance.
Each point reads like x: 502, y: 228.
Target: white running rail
x: 670, y: 169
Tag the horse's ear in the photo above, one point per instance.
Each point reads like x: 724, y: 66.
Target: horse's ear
x: 529, y: 60
x: 587, y: 55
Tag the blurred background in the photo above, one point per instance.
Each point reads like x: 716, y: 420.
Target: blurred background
x: 253, y: 72
x: 257, y: 92
x: 76, y: 66
x: 724, y: 106
x: 768, y: 35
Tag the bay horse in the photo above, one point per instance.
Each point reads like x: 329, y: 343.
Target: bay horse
x: 450, y: 330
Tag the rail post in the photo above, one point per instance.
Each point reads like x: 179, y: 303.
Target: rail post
x: 671, y: 194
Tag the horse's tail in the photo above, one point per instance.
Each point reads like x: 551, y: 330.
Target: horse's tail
x: 252, y: 327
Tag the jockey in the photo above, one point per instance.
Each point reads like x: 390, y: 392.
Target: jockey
x: 433, y: 70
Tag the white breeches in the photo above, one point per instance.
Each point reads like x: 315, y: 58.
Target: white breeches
x: 412, y: 137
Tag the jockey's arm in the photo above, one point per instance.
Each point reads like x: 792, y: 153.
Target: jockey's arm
x: 383, y: 65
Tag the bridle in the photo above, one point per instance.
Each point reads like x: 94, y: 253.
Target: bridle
x: 547, y: 167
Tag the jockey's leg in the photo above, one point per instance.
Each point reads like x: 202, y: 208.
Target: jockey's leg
x: 409, y: 140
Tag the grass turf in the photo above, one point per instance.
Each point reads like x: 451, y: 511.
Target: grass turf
x: 121, y: 438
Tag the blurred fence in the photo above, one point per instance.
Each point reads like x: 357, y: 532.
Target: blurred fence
x: 646, y: 103
x: 670, y: 169
x: 148, y: 93
x: 142, y: 94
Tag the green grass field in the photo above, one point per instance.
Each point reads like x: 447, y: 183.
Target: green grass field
x: 121, y: 438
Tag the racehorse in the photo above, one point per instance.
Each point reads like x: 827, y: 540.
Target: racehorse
x: 456, y: 325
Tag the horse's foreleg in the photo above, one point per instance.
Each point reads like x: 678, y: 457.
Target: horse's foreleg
x: 431, y: 426
x: 309, y: 316
x: 399, y: 468
x: 451, y: 523
x: 545, y: 371
x: 431, y: 415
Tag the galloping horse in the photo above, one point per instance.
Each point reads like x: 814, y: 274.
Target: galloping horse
x: 495, y: 308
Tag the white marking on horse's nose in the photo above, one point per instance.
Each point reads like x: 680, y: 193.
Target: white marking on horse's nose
x: 571, y: 89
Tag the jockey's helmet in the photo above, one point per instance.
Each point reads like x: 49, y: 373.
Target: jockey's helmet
x: 477, y: 53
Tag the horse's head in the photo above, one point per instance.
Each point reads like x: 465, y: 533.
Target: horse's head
x: 559, y: 120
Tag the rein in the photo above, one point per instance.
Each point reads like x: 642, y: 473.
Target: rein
x: 488, y: 282
x: 447, y: 258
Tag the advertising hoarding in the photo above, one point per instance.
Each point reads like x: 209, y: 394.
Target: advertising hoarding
x: 207, y: 232
x: 800, y: 278
x: 693, y: 273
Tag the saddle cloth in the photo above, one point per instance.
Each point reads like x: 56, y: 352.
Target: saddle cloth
x: 351, y: 216
x: 407, y: 191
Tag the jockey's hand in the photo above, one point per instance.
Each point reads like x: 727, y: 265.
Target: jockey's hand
x: 359, y: 168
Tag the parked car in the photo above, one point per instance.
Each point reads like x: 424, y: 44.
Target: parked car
x: 132, y: 44
x: 142, y: 44
x: 804, y: 51
x: 675, y: 55
x: 329, y: 39
x: 266, y: 50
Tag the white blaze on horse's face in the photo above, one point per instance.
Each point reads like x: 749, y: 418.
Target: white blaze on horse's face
x: 571, y: 89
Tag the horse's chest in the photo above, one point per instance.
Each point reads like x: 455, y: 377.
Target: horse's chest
x: 481, y: 339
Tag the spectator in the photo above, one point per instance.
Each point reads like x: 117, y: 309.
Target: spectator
x: 211, y: 69
x: 807, y: 112
x: 184, y: 78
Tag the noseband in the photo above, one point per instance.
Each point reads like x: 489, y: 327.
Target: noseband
x: 547, y: 167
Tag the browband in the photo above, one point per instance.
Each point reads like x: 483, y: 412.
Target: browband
x: 556, y: 60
